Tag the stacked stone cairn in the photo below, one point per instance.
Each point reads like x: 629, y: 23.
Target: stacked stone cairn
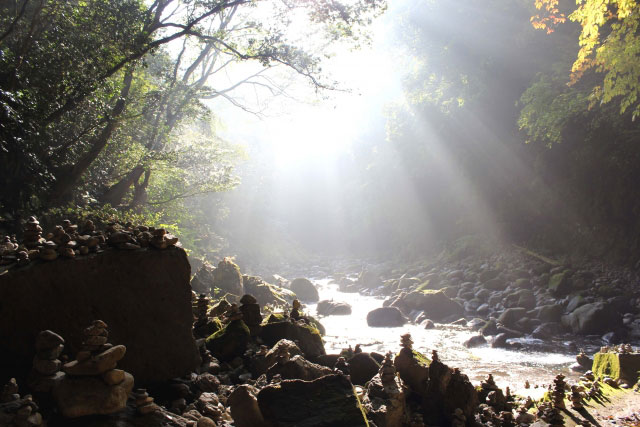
x: 92, y: 384
x: 550, y: 414
x: 16, y: 411
x: 233, y: 313
x: 558, y: 393
x: 406, y: 343
x: 342, y: 366
x: 576, y: 398
x: 46, y: 365
x: 70, y: 240
x: 251, y: 315
x: 296, y: 311
x: 387, y: 372
x: 32, y: 233
x: 144, y: 403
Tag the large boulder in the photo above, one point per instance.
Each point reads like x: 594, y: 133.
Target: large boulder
x: 510, y: 316
x: 435, y: 304
x: 386, y: 317
x: 86, y: 395
x: 304, y: 289
x: 203, y: 282
x: 298, y: 368
x: 143, y: 295
x: 266, y: 293
x: 333, y: 308
x: 307, y: 337
x: 327, y: 401
x: 230, y: 341
x: 369, y: 280
x: 362, y: 367
x: 227, y: 278
x: 594, y: 318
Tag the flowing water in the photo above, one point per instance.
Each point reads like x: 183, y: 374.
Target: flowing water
x: 509, y: 367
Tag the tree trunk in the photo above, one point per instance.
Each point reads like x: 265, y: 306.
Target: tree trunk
x: 117, y: 191
x: 140, y: 195
x: 67, y: 179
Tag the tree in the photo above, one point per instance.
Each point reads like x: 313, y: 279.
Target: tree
x: 66, y: 70
x: 609, y: 47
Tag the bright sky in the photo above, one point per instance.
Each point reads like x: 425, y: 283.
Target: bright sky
x: 314, y: 127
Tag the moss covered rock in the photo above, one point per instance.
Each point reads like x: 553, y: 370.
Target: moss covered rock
x: 230, y: 341
x: 560, y: 284
x: 435, y: 304
x: 329, y: 401
x: 307, y: 337
x: 623, y: 367
x: 267, y: 293
x: 227, y: 278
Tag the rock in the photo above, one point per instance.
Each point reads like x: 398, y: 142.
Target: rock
x: 496, y: 284
x: 575, y: 302
x: 550, y: 313
x: 362, y: 367
x: 594, y: 318
x: 244, y: 407
x: 298, y: 368
x: 447, y: 390
x: 146, y: 288
x: 475, y: 341
x: 618, y: 366
x: 329, y: 308
x: 369, y: 280
x: 385, y: 317
x: 413, y: 368
x: 548, y: 330
x: 511, y: 315
x: 327, y: 401
x: 526, y: 299
x: 560, y: 284
x: 428, y: 324
x: 77, y: 397
x: 47, y: 340
x: 229, y: 342
x: 227, y: 278
x: 266, y: 293
x: 96, y: 365
x: 203, y: 281
x: 435, y: 304
x: 304, y: 289
x: 307, y: 337
x: 489, y: 328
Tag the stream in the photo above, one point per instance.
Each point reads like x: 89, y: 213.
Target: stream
x: 538, y: 362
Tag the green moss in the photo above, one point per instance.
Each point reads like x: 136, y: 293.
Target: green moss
x: 316, y: 326
x: 230, y: 341
x: 276, y: 317
x: 421, y: 358
x: 361, y: 407
x: 606, y: 365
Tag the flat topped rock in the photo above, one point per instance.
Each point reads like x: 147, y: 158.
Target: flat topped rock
x: 47, y: 340
x: 98, y: 364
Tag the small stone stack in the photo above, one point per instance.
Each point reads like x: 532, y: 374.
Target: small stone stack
x: 202, y: 306
x: 406, y: 342
x: 341, y: 366
x: 434, y: 356
x: 16, y: 411
x: 92, y: 384
x: 32, y: 233
x: 551, y: 415
x: 162, y: 240
x: 251, y: 313
x: 558, y: 393
x: 296, y: 311
x: 144, y: 402
x: 46, y: 365
x: 387, y: 371
x: 576, y: 398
